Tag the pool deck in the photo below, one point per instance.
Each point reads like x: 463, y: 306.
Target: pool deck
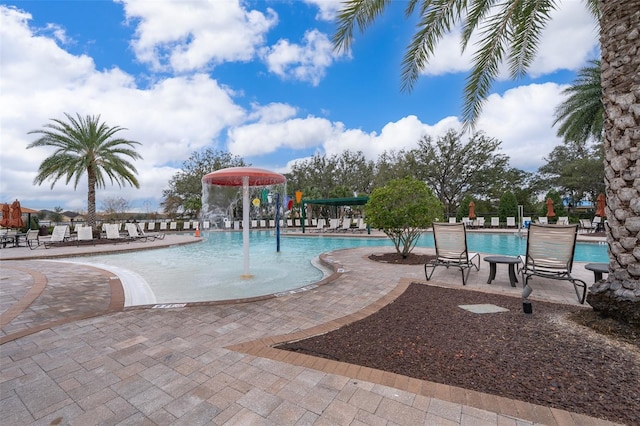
x: 72, y: 354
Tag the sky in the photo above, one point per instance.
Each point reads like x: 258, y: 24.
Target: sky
x: 258, y: 79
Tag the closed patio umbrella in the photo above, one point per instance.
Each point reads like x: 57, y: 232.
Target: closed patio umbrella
x: 600, y: 204
x: 6, y: 216
x: 550, y: 212
x: 472, y: 210
x: 15, y: 220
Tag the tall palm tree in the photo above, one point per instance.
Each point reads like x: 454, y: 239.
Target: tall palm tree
x: 581, y: 115
x: 510, y: 32
x: 85, y: 145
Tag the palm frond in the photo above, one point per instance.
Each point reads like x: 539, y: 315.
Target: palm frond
x: 438, y: 17
x: 360, y: 12
x: 527, y: 25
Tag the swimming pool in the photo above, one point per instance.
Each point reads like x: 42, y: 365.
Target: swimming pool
x: 212, y: 270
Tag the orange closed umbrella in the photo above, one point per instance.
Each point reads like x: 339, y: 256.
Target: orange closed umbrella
x: 6, y: 216
x: 600, y: 204
x: 16, y: 215
x: 550, y: 212
x: 472, y: 210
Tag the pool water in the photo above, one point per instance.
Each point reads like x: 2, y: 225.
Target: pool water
x: 212, y: 270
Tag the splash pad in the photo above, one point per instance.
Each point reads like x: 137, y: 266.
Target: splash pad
x: 245, y: 177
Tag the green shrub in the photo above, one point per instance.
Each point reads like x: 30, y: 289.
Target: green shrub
x: 403, y: 209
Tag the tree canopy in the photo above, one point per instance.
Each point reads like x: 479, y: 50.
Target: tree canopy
x: 86, y: 145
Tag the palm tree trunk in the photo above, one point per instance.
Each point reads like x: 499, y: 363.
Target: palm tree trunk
x: 619, y: 295
x: 91, y: 197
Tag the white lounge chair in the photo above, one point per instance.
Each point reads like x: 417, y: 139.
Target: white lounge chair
x: 452, y: 220
x: 132, y: 231
x: 563, y: 220
x: 543, y: 220
x: 550, y: 250
x: 173, y: 226
x: 480, y: 222
x: 236, y: 224
x: 59, y: 235
x: 451, y: 250
x: 113, y: 233
x: 346, y: 224
x: 85, y: 235
x: 334, y: 224
x: 186, y: 225
x: 362, y: 226
x: 526, y: 219
x: 586, y: 225
x: 151, y: 226
x: 289, y: 223
x: 495, y: 222
x: 263, y: 223
x: 319, y: 225
x: 33, y: 239
x: 511, y: 222
x: 163, y: 226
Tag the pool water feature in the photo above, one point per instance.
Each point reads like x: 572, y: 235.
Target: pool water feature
x: 212, y: 269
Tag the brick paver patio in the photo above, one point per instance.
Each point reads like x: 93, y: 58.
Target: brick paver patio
x: 72, y: 355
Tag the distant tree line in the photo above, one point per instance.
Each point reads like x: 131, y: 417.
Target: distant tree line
x: 456, y: 168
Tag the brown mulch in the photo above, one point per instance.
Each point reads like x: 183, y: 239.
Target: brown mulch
x: 544, y: 358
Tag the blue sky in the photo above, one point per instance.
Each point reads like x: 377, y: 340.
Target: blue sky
x: 256, y: 78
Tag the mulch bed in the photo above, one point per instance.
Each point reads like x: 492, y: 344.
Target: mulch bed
x: 543, y: 358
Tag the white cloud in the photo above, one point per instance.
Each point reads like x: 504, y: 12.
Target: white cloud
x: 327, y: 9
x: 40, y: 81
x: 569, y: 39
x: 192, y: 35
x: 522, y: 119
x: 264, y: 138
x: 271, y: 113
x: 304, y: 62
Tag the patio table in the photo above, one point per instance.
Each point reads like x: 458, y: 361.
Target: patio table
x: 508, y: 260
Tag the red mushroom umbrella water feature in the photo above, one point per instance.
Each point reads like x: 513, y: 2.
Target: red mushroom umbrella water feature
x: 245, y: 177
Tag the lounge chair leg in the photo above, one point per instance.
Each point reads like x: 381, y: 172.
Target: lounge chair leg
x: 428, y: 275
x: 584, y: 290
x: 465, y: 277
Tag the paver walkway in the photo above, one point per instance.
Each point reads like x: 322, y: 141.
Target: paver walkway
x: 213, y: 365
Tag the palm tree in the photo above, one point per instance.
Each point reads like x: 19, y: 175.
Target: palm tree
x: 510, y: 32
x: 581, y: 115
x: 84, y: 145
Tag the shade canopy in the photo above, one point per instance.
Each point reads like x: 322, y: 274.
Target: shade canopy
x: 348, y: 201
x: 233, y: 176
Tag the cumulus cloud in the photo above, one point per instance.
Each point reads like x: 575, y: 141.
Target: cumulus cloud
x: 304, y: 62
x: 522, y: 118
x: 183, y: 36
x: 40, y: 81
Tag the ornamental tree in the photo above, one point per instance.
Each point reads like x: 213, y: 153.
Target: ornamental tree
x: 403, y: 209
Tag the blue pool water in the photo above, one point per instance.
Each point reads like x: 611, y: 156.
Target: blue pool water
x: 212, y: 270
